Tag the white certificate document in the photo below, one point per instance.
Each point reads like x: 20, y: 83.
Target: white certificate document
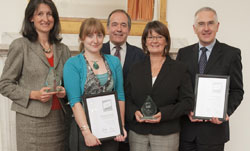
x: 211, y: 96
x: 103, y: 116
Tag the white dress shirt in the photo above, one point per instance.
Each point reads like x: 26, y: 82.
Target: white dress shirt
x: 122, y: 51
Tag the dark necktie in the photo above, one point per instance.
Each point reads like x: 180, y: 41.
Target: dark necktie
x: 203, y: 60
x: 117, y: 52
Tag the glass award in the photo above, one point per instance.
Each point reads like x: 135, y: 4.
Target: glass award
x: 52, y: 81
x: 148, y: 109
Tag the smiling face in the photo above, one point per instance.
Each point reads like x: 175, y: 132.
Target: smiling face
x: 206, y: 27
x: 43, y: 19
x: 155, y: 43
x: 93, y: 42
x: 118, y: 28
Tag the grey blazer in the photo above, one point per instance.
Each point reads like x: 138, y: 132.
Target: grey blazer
x: 26, y: 69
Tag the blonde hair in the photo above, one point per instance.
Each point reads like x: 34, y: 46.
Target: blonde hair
x: 90, y: 26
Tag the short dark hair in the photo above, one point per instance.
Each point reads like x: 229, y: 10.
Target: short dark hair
x: 28, y: 29
x: 121, y: 11
x: 159, y: 28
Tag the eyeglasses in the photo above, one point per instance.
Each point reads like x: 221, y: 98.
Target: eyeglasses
x: 151, y: 38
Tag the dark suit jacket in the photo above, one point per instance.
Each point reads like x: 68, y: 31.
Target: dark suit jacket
x: 223, y: 60
x: 133, y: 55
x: 171, y: 92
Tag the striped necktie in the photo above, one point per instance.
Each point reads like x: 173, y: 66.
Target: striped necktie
x: 203, y: 60
x: 117, y: 52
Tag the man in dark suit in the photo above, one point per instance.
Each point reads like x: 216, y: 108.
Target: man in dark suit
x: 119, y: 25
x: 222, y: 59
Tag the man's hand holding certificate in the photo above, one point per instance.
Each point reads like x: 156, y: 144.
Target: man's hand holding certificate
x: 211, y: 96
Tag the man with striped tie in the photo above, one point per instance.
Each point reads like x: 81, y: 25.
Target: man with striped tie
x: 119, y: 25
x: 209, y: 56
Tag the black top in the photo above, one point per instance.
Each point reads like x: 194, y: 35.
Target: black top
x: 171, y: 92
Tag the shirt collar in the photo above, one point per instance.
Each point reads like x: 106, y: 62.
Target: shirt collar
x: 123, y: 46
x: 209, y: 47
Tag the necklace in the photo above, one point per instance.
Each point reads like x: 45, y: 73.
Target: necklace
x: 46, y: 50
x: 95, y: 65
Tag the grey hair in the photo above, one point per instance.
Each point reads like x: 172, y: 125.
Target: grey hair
x: 205, y: 9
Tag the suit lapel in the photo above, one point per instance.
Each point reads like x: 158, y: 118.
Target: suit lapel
x: 214, y: 56
x: 195, y: 59
x: 128, y: 58
x: 165, y: 70
x: 106, y: 48
x: 37, y: 49
x: 147, y: 75
x: 57, y: 54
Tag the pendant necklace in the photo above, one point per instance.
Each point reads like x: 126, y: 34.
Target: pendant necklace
x: 46, y: 50
x: 95, y: 65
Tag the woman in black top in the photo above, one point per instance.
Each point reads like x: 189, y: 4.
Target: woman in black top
x: 167, y: 82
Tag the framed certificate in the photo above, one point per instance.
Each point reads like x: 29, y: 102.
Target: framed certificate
x: 211, y: 96
x: 103, y: 115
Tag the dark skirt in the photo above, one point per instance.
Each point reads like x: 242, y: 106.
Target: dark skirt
x: 77, y: 142
x: 41, y: 133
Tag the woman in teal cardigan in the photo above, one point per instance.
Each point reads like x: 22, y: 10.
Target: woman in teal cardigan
x: 90, y: 73
x: 75, y: 75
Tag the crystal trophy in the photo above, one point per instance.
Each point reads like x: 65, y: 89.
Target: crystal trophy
x: 53, y: 81
x: 148, y: 109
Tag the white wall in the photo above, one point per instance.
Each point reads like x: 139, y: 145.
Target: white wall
x: 11, y: 14
x: 234, y: 30
x: 84, y: 8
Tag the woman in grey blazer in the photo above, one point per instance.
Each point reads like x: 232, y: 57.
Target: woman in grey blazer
x: 40, y: 118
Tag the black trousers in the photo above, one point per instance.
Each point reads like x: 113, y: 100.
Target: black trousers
x: 195, y: 146
x: 123, y: 146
